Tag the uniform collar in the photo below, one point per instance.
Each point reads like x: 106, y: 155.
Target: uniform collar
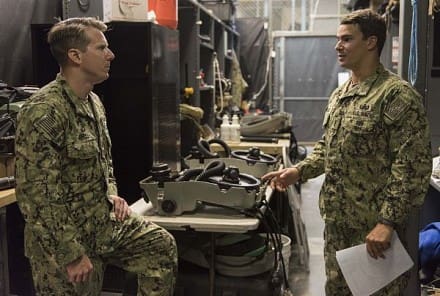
x: 81, y: 106
x: 362, y: 88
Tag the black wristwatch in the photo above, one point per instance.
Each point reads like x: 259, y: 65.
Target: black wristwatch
x: 382, y: 220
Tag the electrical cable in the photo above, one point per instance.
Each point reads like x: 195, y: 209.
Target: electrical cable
x: 217, y: 72
x: 413, y: 52
x: 273, y: 230
x: 277, y: 228
x: 266, y: 76
x: 431, y: 283
x: 269, y: 231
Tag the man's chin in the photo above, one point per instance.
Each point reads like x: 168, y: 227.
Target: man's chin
x: 100, y: 80
x: 344, y: 65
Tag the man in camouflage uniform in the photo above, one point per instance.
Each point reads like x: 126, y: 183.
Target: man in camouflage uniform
x: 75, y: 221
x: 375, y: 153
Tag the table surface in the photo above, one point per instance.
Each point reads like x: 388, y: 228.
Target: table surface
x: 7, y: 197
x: 270, y: 148
x: 210, y: 219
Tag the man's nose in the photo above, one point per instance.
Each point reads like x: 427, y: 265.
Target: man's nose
x: 111, y: 55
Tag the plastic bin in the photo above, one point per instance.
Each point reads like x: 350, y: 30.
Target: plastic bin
x: 165, y: 11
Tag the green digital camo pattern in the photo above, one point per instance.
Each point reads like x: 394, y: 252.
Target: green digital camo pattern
x: 64, y: 178
x: 375, y: 153
x: 338, y: 238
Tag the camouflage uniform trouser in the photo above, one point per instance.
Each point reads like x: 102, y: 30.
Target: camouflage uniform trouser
x: 338, y: 238
x: 137, y: 246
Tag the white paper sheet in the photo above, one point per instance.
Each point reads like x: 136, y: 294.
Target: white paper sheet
x: 366, y: 275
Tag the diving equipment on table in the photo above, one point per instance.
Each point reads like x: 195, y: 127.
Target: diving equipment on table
x: 258, y: 125
x: 214, y: 185
x: 251, y: 161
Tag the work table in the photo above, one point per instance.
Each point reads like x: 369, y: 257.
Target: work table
x: 266, y: 147
x: 7, y: 197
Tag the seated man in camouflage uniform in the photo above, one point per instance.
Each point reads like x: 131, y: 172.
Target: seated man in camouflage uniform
x: 75, y: 221
x: 375, y: 153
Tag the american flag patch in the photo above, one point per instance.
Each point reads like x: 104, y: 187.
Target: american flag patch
x: 396, y: 108
x: 47, y: 124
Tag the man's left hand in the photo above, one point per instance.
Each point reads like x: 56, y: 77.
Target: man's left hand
x: 121, y: 208
x: 379, y: 240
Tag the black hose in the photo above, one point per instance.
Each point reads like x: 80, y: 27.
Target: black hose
x: 189, y: 174
x: 214, y: 168
x: 203, y: 146
x: 222, y: 143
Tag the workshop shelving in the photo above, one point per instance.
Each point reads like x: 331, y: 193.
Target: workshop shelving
x: 203, y: 37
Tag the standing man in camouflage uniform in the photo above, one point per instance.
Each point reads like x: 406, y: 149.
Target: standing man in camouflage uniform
x: 375, y: 153
x: 75, y: 221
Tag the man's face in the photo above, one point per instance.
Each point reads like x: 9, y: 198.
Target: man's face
x: 95, y: 60
x: 350, y: 46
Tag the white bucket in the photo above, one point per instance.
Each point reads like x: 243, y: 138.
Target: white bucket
x: 285, y: 251
x: 236, y: 266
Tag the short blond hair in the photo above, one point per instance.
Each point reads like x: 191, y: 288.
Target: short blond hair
x: 71, y: 33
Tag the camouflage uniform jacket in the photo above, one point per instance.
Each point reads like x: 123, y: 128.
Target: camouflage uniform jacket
x: 375, y: 153
x: 64, y: 173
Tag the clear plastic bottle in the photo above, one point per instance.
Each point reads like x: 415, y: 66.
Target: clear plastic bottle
x: 235, y: 129
x: 225, y: 129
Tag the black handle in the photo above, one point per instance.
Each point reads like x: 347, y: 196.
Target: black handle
x: 7, y: 182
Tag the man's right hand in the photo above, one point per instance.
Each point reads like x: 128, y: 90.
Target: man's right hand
x: 281, y: 179
x: 79, y: 270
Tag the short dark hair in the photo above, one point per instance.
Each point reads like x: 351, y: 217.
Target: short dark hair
x: 370, y: 24
x: 70, y: 33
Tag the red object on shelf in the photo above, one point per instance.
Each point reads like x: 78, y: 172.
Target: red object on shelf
x: 166, y: 12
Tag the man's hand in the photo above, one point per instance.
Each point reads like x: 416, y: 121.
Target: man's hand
x: 79, y: 270
x: 281, y: 179
x: 379, y: 240
x: 121, y: 208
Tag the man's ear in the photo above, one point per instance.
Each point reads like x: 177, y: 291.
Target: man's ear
x: 372, y: 42
x: 74, y: 55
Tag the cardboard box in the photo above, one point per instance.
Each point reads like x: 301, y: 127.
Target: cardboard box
x: 107, y: 10
x: 7, y: 166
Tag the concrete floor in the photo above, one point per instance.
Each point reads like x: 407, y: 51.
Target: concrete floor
x: 303, y: 282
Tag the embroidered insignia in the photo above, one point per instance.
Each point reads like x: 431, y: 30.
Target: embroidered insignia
x: 365, y: 107
x: 47, y: 124
x: 396, y: 108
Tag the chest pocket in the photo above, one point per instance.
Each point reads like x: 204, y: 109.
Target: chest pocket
x: 83, y: 149
x: 359, y: 124
x: 81, y: 164
x: 359, y: 135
